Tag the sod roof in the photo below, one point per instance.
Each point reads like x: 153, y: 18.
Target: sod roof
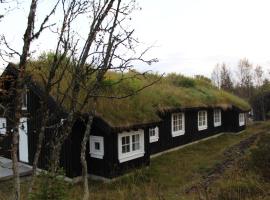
x: 171, y: 92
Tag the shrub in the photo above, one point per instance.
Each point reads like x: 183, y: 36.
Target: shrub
x: 51, y: 187
x: 260, y: 157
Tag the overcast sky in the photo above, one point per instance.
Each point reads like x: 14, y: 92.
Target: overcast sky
x: 190, y: 36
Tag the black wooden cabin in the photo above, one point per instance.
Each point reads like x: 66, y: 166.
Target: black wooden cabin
x: 115, y: 150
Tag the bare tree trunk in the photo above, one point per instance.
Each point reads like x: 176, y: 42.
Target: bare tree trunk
x: 83, y: 159
x: 17, y: 187
x: 37, y: 153
x: 18, y: 92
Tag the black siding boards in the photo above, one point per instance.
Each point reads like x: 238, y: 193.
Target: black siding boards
x: 100, y: 167
x: 166, y: 141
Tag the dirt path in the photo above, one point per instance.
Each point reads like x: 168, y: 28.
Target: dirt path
x: 232, y: 155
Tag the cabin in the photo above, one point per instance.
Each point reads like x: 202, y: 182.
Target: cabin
x: 126, y: 133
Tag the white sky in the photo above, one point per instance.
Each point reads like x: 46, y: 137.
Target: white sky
x: 191, y: 36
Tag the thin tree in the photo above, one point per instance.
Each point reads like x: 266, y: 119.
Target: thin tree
x: 17, y: 91
x: 215, y: 76
x: 245, y: 81
x: 259, y: 79
x: 226, y: 82
x: 109, y: 45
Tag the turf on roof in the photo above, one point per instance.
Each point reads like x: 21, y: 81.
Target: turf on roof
x: 172, y: 91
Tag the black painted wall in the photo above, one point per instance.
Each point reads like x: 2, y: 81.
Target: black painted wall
x: 230, y: 123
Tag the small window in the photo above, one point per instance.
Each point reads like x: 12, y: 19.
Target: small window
x: 153, y: 134
x: 130, y: 145
x: 242, y: 119
x: 3, y: 126
x: 202, y: 120
x: 178, y: 124
x: 96, y: 146
x: 217, y: 117
x: 24, y: 99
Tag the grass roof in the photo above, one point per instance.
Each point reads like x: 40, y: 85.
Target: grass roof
x: 171, y: 92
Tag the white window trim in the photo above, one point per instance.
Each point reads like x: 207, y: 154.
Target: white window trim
x: 3, y: 130
x: 123, y: 157
x: 242, y: 116
x: 216, y: 124
x: 202, y: 127
x: 26, y: 98
x: 179, y: 132
x: 94, y: 153
x: 154, y: 138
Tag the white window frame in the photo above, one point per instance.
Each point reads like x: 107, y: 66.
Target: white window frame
x: 96, y: 153
x: 132, y: 154
x: 181, y: 131
x: 3, y: 126
x: 203, y: 126
x: 155, y: 137
x: 24, y: 97
x: 217, y: 115
x: 242, y: 119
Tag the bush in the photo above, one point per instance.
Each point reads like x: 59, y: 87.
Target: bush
x: 260, y: 157
x: 51, y: 187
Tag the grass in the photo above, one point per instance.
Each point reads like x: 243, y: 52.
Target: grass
x: 171, y: 174
x: 172, y: 91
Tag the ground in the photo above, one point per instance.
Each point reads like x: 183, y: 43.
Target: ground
x: 211, y: 169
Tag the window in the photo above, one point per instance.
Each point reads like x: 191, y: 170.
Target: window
x: 130, y: 145
x: 96, y: 146
x: 217, y: 117
x: 153, y: 134
x: 3, y: 126
x: 24, y: 99
x: 178, y: 124
x: 241, y: 119
x: 202, y: 120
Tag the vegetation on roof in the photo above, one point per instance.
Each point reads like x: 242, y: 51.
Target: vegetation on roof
x: 171, y: 92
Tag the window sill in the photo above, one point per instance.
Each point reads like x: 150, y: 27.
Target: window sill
x: 217, y: 124
x: 179, y: 133
x: 241, y: 124
x: 154, y: 139
x: 133, y: 156
x: 96, y: 156
x: 201, y: 128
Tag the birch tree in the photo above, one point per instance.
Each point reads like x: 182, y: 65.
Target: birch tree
x: 245, y: 81
x: 29, y: 36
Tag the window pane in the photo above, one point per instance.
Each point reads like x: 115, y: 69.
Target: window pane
x: 152, y: 132
x: 125, y: 144
x: 97, y: 146
x: 135, y: 142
